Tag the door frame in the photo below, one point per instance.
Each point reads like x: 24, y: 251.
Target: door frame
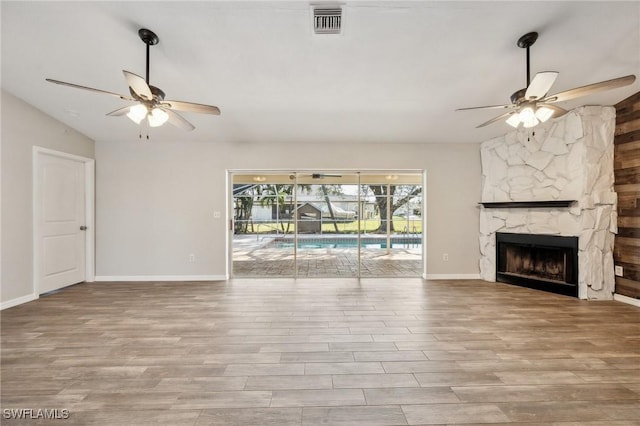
x: 230, y: 206
x: 89, y: 211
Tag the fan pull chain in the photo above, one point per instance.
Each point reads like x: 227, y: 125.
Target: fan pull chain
x: 140, y: 130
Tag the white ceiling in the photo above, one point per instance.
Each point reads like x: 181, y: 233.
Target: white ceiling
x: 396, y: 74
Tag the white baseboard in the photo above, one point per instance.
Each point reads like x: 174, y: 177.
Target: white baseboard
x: 626, y: 299
x: 18, y: 301
x: 160, y: 278
x: 452, y: 277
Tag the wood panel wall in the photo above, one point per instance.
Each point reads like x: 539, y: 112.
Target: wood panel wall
x: 627, y: 185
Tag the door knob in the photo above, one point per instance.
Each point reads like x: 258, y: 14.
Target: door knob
x: 83, y: 228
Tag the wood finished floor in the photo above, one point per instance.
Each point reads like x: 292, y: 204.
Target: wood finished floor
x: 321, y: 351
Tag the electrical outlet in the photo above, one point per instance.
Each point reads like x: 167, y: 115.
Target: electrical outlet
x: 619, y: 271
x: 216, y: 215
x: 192, y: 257
x: 445, y: 257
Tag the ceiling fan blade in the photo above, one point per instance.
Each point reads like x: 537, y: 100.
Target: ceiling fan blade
x: 540, y: 85
x: 494, y: 119
x: 191, y: 107
x: 120, y: 111
x: 591, y: 88
x: 488, y: 107
x: 77, y: 86
x: 138, y: 85
x: 178, y: 121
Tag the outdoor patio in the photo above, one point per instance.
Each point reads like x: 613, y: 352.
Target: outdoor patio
x: 256, y: 256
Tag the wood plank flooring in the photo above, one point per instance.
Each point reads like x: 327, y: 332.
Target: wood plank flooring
x: 321, y: 351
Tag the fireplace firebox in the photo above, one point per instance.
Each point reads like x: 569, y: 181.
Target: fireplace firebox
x: 543, y: 262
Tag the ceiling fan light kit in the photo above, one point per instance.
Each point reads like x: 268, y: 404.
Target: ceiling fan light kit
x: 137, y: 113
x: 150, y: 104
x: 530, y: 116
x: 157, y: 117
x: 532, y: 105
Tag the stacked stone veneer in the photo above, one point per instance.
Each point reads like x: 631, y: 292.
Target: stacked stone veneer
x: 568, y: 158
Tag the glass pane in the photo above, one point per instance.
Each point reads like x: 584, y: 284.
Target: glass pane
x: 327, y: 225
x: 391, y: 241
x: 263, y: 226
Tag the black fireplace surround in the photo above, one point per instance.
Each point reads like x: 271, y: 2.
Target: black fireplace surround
x: 543, y: 262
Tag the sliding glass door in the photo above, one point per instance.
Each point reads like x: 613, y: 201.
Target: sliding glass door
x: 327, y: 224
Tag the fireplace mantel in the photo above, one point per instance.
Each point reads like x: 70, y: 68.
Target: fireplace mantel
x: 526, y: 204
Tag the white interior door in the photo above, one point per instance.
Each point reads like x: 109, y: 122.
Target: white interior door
x: 61, y: 222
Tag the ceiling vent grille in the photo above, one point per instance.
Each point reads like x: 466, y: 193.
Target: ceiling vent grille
x: 327, y: 20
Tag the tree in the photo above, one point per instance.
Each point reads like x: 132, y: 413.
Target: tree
x: 325, y: 194
x: 243, y: 201
x: 399, y: 195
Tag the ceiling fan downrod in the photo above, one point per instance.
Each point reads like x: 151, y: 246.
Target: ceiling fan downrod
x: 526, y: 41
x: 150, y: 39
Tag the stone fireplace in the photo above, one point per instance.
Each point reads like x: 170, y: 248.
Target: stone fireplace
x: 555, y: 180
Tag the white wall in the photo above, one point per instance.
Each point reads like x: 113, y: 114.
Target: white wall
x: 155, y: 201
x: 23, y: 127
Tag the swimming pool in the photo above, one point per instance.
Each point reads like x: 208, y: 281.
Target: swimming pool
x: 323, y: 243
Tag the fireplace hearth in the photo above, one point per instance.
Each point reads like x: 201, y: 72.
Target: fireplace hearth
x: 543, y: 262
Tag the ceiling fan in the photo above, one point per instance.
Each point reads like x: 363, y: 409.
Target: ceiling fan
x: 533, y: 105
x: 324, y: 175
x: 149, y: 100
x: 317, y: 176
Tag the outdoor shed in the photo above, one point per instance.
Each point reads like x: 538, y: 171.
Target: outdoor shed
x: 309, y: 219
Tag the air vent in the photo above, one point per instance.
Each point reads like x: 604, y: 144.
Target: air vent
x: 327, y: 20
